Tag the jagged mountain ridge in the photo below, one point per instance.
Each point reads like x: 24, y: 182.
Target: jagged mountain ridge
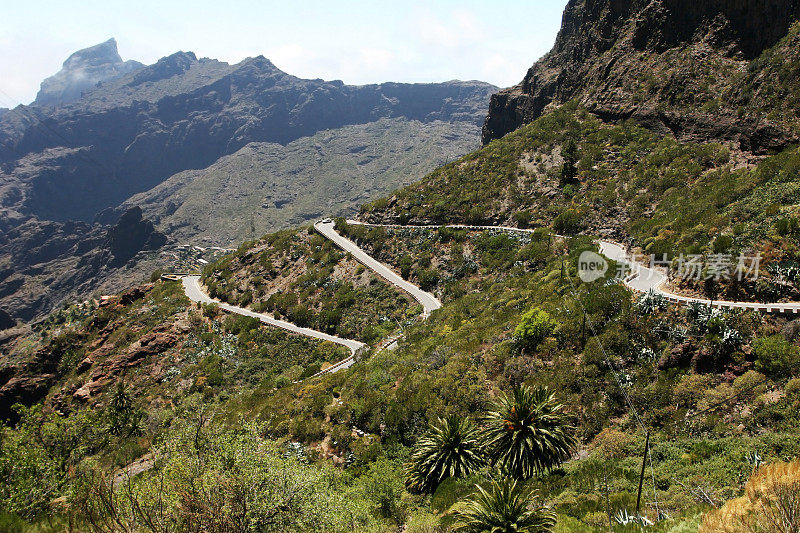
x: 673, y: 65
x: 182, y: 113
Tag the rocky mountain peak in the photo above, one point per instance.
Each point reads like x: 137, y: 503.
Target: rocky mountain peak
x: 166, y: 67
x: 82, y: 71
x: 100, y: 54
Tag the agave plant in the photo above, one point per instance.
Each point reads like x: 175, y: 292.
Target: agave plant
x: 503, y: 507
x: 451, y: 448
x: 527, y: 433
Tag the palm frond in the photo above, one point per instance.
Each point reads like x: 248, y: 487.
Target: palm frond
x: 528, y: 433
x: 451, y: 448
x: 503, y: 507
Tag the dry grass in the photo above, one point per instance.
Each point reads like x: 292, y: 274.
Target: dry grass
x: 771, y: 503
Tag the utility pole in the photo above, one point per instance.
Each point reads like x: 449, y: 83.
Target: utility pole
x: 583, y: 330
x: 608, y: 504
x: 641, y: 476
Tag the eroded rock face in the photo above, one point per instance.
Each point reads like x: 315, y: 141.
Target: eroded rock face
x: 132, y: 234
x: 6, y: 320
x: 634, y: 58
x: 82, y: 71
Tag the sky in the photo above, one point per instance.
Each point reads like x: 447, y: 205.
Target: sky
x: 355, y: 41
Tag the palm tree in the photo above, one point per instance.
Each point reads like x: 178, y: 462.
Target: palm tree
x: 527, y: 433
x: 505, y: 507
x: 450, y: 448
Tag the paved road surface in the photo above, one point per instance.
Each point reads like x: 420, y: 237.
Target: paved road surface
x: 429, y: 301
x: 193, y: 290
x: 645, y: 279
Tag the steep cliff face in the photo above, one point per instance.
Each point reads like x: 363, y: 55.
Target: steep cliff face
x: 82, y: 71
x: 42, y: 263
x: 674, y: 65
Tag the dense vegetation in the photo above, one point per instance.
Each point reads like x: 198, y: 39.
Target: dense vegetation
x: 454, y: 428
x: 712, y: 387
x: 665, y: 196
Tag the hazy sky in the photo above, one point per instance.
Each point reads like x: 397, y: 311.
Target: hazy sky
x: 356, y: 41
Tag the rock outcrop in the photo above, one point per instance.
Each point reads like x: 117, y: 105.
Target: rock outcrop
x: 130, y: 235
x: 82, y: 71
x: 642, y: 59
x: 44, y: 262
x: 6, y: 320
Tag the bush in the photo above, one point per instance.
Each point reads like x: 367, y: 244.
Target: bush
x: 770, y: 503
x: 568, y: 222
x: 533, y: 327
x: 217, y: 480
x: 775, y: 356
x: 428, y: 278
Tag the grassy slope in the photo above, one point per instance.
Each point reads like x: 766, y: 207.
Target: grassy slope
x: 675, y: 367
x: 665, y: 196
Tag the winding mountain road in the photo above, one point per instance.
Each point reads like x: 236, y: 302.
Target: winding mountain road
x: 429, y: 301
x: 646, y: 279
x: 642, y: 279
x: 194, y: 291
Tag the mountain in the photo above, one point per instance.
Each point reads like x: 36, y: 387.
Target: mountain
x: 82, y: 71
x: 266, y: 186
x: 207, y: 149
x: 190, y: 404
x: 132, y: 132
x: 687, y: 68
x: 672, y: 130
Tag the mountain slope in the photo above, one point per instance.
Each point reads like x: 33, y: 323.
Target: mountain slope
x: 686, y: 68
x: 267, y: 186
x: 298, y: 147
x: 134, y: 131
x: 707, y: 394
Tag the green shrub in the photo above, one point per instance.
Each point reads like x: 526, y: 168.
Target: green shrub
x: 568, y: 222
x: 775, y: 356
x: 533, y: 327
x: 428, y: 278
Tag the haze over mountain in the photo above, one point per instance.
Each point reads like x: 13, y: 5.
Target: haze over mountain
x: 82, y: 71
x: 129, y: 132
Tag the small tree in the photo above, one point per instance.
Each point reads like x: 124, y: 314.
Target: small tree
x: 569, y: 153
x: 123, y: 417
x: 451, y: 448
x: 533, y: 327
x: 527, y: 433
